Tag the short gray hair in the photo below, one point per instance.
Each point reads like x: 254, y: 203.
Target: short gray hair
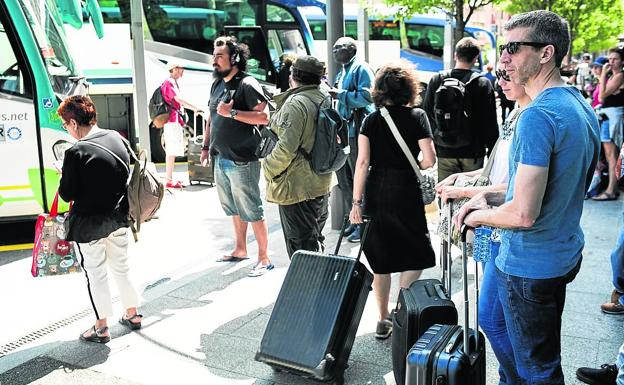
x: 545, y: 27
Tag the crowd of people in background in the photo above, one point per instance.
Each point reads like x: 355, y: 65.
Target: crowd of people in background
x: 540, y: 165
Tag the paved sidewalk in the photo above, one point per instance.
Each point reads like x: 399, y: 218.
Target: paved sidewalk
x: 204, y: 320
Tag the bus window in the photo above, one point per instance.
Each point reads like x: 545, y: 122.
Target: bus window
x: 318, y: 29
x: 258, y: 64
x: 277, y: 14
x: 12, y: 79
x: 351, y: 29
x: 185, y: 23
x: 285, y: 41
x: 53, y: 49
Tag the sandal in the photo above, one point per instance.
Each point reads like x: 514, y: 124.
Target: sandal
x: 260, y: 269
x: 232, y: 258
x: 605, y: 196
x: 96, y: 335
x: 128, y: 321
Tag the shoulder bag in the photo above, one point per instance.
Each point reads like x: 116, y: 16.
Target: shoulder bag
x: 426, y: 180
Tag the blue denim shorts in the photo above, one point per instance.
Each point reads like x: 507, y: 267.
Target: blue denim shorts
x: 238, y: 188
x: 605, y: 135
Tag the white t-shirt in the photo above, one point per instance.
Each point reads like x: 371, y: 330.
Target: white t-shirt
x: 500, y: 169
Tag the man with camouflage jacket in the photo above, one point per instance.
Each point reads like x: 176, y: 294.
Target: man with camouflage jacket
x: 302, y: 195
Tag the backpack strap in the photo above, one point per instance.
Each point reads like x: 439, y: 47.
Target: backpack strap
x: 301, y: 150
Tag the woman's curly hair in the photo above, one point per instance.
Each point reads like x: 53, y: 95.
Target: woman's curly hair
x: 396, y: 84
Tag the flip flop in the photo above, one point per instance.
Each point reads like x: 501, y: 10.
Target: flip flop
x: 128, y: 321
x: 603, y: 196
x: 231, y: 258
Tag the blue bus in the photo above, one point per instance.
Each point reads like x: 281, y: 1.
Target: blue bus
x: 425, y: 36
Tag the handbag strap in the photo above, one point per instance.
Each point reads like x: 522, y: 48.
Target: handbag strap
x: 395, y: 131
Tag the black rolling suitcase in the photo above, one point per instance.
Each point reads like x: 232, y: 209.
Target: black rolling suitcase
x: 447, y: 354
x: 197, y: 172
x: 425, y: 303
x: 315, y: 318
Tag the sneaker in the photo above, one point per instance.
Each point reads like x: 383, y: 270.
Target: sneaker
x: 176, y: 184
x: 260, y: 269
x: 355, y: 235
x: 350, y: 229
x: 384, y: 329
x: 606, y: 375
x: 612, y: 308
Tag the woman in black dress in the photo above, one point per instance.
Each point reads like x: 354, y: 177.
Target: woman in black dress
x: 399, y: 240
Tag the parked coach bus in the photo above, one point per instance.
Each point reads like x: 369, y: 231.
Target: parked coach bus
x: 36, y: 74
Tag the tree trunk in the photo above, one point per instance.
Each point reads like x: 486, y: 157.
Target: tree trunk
x: 458, y: 31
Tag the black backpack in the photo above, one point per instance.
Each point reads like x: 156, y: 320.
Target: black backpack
x: 158, y: 109
x: 330, y: 140
x: 452, y: 112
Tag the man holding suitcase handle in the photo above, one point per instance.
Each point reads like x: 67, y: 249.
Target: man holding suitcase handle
x: 554, y: 152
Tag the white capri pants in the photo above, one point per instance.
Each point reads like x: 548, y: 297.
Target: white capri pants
x: 96, y: 257
x: 174, y: 139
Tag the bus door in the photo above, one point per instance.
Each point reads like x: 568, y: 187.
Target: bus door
x: 29, y: 125
x: 21, y: 183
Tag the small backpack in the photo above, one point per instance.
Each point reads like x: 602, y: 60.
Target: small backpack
x: 331, y: 140
x: 159, y: 109
x: 452, y: 112
x: 144, y: 191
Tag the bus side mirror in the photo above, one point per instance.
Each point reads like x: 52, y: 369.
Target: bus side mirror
x: 71, y: 12
x: 93, y: 9
x: 59, y: 149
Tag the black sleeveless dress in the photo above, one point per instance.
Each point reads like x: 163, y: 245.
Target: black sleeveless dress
x: 399, y: 238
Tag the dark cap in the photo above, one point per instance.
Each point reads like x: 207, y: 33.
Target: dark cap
x: 309, y: 64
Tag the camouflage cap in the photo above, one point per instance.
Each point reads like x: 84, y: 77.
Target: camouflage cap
x: 309, y: 64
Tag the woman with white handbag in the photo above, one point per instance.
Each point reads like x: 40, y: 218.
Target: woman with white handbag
x: 390, y: 140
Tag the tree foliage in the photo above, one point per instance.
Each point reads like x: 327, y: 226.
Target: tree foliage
x: 594, y: 24
x: 455, y: 8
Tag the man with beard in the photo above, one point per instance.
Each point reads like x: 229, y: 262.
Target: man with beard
x: 353, y: 86
x: 552, y: 158
x: 237, y: 106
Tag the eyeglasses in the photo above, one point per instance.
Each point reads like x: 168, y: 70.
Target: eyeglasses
x: 514, y: 46
x: 502, y: 74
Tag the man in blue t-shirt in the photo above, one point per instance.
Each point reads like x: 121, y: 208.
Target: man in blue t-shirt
x: 552, y: 156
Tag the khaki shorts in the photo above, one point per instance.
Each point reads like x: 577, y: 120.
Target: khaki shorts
x: 449, y: 166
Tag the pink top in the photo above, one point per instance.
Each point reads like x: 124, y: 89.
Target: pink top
x: 169, y: 90
x: 595, y: 100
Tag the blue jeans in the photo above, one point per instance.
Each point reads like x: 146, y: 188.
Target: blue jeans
x: 238, y: 189
x: 617, y: 265
x: 492, y: 322
x: 532, y: 310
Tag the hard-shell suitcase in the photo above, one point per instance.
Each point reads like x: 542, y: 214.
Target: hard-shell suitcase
x: 197, y: 172
x: 315, y: 318
x: 450, y: 354
x: 425, y: 303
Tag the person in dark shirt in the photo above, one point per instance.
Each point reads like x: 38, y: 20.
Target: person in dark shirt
x: 400, y: 239
x: 481, y: 114
x: 237, y: 108
x: 95, y: 180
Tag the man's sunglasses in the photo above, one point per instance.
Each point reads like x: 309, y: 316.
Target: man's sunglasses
x: 502, y: 74
x: 514, y: 46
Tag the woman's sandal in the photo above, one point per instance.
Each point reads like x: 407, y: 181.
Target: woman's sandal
x: 128, y: 322
x: 605, y: 196
x: 96, y: 335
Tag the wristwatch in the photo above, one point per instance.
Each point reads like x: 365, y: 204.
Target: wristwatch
x: 233, y: 113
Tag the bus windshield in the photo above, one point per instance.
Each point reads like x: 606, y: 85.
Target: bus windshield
x: 187, y: 23
x: 59, y: 63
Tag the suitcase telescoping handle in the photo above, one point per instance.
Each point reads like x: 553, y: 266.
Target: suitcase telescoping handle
x: 366, y: 225
x: 445, y: 249
x: 203, y: 123
x: 464, y: 232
